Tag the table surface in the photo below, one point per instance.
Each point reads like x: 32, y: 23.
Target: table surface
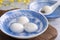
x: 56, y: 24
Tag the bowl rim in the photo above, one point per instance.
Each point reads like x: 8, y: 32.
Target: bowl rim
x: 25, y: 37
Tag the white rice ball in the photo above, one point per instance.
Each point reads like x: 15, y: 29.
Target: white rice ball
x: 23, y: 20
x: 46, y: 9
x: 30, y: 27
x: 17, y: 27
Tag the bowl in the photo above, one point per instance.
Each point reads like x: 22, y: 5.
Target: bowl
x: 34, y: 17
x: 36, y: 6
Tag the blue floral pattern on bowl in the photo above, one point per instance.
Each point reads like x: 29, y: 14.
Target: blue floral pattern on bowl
x: 10, y: 17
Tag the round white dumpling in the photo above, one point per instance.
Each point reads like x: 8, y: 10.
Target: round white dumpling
x: 23, y: 20
x: 46, y: 9
x: 30, y: 27
x: 17, y: 27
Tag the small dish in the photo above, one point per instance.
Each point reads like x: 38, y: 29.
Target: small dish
x: 34, y: 17
x: 36, y: 6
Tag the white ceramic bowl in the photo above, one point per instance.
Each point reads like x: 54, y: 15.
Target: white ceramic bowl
x: 34, y: 17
